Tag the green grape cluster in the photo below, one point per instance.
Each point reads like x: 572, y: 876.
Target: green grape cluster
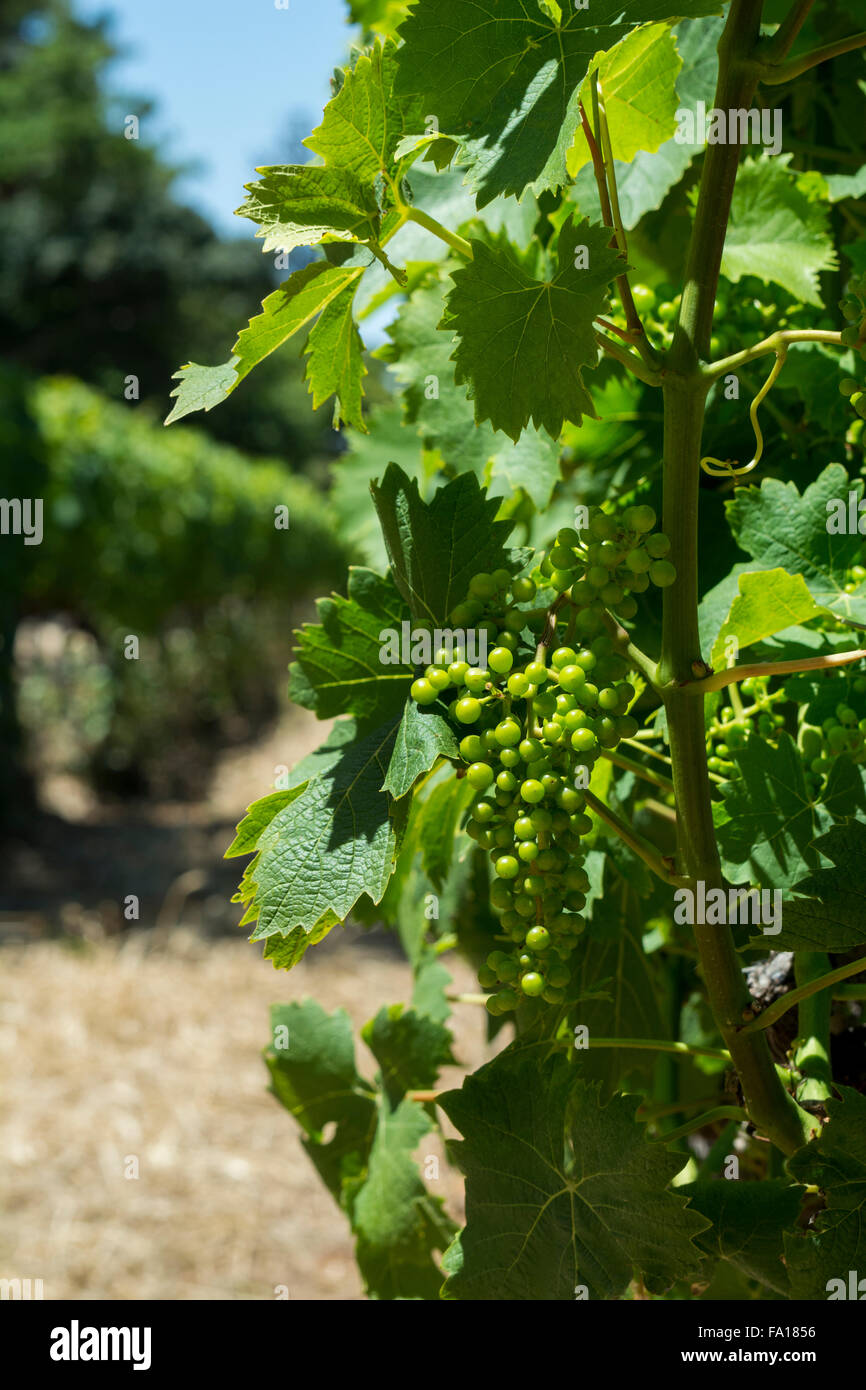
x: 733, y: 323
x: 551, y: 699
x: 853, y: 308
x: 732, y: 727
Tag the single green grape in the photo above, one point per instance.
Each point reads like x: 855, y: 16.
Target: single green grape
x: 468, y: 711
x: 422, y: 691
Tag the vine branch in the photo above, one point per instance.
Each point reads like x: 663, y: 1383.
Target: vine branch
x: 781, y: 1006
x: 775, y: 74
x: 653, y: 860
x: 719, y: 679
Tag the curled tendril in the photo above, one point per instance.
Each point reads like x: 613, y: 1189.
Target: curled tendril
x: 726, y: 468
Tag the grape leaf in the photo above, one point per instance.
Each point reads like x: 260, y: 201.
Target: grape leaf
x: 835, y: 1243
x: 308, y: 857
x: 409, y: 1048
x: 846, y: 185
x: 435, y: 548
x: 438, y: 818
x: 831, y: 913
x: 284, y: 952
x: 297, y: 302
x: 300, y: 204
x: 311, y: 1062
x: 504, y: 76
x: 338, y: 667
x: 638, y: 80
x: 521, y: 342
x: 777, y: 232
x: 767, y: 603
x: 748, y: 1224
x: 423, y: 736
x: 352, y: 505
x: 768, y: 823
x: 397, y: 1223
x: 782, y: 530
x: 367, y: 1164
x: 646, y: 180
x: 560, y: 1189
x: 363, y: 124
x: 420, y: 356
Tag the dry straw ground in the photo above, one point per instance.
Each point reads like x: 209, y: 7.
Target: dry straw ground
x: 149, y: 1045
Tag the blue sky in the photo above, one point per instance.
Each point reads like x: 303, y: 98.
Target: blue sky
x: 231, y: 79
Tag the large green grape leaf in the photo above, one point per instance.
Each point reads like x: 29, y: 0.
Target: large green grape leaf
x: 781, y: 529
x: 338, y: 667
x: 630, y: 1002
x: 749, y: 1220
x: 768, y: 823
x: 777, y: 232
x: 522, y: 343
x: 300, y: 204
x: 363, y: 124
x: 835, y: 1243
x: 645, y: 181
x: 420, y: 354
x: 284, y: 952
x: 423, y: 736
x: 311, y: 1061
x: 561, y: 1190
x: 767, y: 603
x: 367, y: 1164
x: 831, y: 913
x: 435, y: 548
x: 638, y: 80
x: 504, y: 77
x: 397, y: 1223
x: 309, y: 856
x: 438, y: 819
x: 409, y: 1047
x: 299, y: 300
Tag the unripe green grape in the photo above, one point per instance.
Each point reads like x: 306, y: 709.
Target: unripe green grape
x: 508, y: 733
x: 422, y: 691
x: 524, y: 905
x: 523, y: 590
x: 457, y: 672
x: 533, y: 984
x: 527, y: 851
x: 551, y: 783
x: 639, y: 583
x: 483, y: 811
x: 524, y: 828
x: 487, y: 978
x: 538, y: 938
x: 562, y: 557
x: 626, y: 726
x: 553, y: 996
x: 608, y: 699
x: 439, y: 679
x: 860, y: 407
x: 582, y: 592
x: 500, y: 660
x: 644, y: 298
x: 507, y: 866
x: 586, y: 659
x: 572, y: 678
x: 612, y: 595
x: 542, y: 819
x: 552, y: 732
x: 537, y: 672
x: 565, y: 701
x: 589, y: 696
x: 471, y: 748
x: 517, y: 685
x: 570, y: 800
x: 501, y: 578
x: 657, y: 545
x: 532, y: 791
x: 638, y: 561
x: 606, y: 732
x: 848, y: 386
x: 509, y: 641
x: 476, y: 679
x: 514, y: 620
x: 640, y: 519
x: 501, y: 896
x: 584, y: 741
x: 507, y: 1000
x: 479, y: 776
x: 596, y: 575
x: 482, y: 585
x: 509, y: 757
x: 534, y: 884
x: 561, y: 580
x: 468, y: 711
x: 602, y: 526
x: 530, y: 749
x: 506, y: 781
x: 563, y: 656
x: 558, y: 976
x: 609, y: 555
x: 466, y: 613
x: 662, y: 573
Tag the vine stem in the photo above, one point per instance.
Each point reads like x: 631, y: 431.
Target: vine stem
x: 648, y: 774
x: 783, y: 338
x: 721, y: 1112
x: 457, y: 243
x: 653, y: 860
x: 769, y: 1106
x: 719, y: 679
x: 781, y: 1006
x: 775, y: 74
x: 780, y: 45
x: 628, y: 359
